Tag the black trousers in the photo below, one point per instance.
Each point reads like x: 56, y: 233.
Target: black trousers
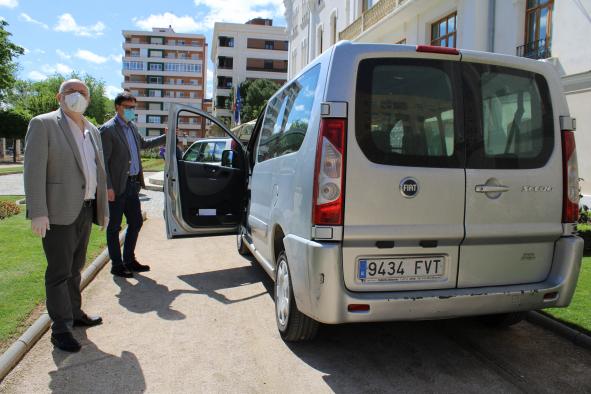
x: 127, y: 204
x: 65, y: 250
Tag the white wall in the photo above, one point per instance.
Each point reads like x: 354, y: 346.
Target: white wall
x: 570, y: 35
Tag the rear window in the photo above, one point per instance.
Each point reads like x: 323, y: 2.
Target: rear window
x: 406, y: 113
x: 509, y: 113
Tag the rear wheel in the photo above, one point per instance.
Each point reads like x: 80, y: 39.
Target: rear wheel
x: 241, y: 245
x: 293, y: 325
x: 503, y: 319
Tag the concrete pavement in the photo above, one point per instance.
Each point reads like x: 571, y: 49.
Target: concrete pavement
x: 202, y: 321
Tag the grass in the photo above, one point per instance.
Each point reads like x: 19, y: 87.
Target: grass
x: 22, y: 270
x: 578, y: 313
x: 11, y: 170
x: 152, y: 165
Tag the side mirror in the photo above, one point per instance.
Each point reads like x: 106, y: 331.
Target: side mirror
x: 227, y: 158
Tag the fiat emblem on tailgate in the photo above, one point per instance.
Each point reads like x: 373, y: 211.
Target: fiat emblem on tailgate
x: 409, y: 187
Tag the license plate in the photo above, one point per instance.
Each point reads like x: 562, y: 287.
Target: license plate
x: 401, y: 269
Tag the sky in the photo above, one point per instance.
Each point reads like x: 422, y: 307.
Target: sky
x: 85, y: 35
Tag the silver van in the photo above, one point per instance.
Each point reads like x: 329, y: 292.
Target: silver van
x: 393, y: 182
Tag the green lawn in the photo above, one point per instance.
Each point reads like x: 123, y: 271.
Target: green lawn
x: 152, y: 165
x: 22, y: 268
x: 11, y: 170
x: 579, y: 311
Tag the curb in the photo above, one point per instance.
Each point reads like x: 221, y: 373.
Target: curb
x: 154, y: 188
x: 22, y: 345
x: 577, y: 337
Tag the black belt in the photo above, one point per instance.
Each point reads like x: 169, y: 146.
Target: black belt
x: 133, y: 178
x: 87, y: 203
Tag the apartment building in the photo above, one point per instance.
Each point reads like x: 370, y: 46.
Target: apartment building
x: 161, y: 67
x: 555, y: 31
x: 240, y: 52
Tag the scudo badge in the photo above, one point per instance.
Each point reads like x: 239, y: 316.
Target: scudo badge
x: 409, y: 187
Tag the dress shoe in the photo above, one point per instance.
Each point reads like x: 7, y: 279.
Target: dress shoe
x: 137, y: 267
x: 88, y: 321
x: 65, y: 341
x: 122, y: 271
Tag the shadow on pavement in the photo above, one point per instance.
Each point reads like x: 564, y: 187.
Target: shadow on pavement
x: 146, y: 295
x: 212, y: 282
x: 92, y: 370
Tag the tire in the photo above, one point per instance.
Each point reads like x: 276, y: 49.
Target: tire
x: 502, y: 320
x: 293, y: 325
x: 241, y: 246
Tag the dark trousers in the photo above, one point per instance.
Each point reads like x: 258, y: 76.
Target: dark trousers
x: 65, y: 250
x: 127, y: 204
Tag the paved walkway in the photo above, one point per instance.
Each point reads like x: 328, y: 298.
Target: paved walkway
x: 202, y: 321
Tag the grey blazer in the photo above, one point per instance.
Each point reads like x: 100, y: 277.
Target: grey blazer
x: 116, y: 150
x: 53, y: 171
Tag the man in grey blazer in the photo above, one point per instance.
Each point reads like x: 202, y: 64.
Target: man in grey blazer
x: 122, y: 144
x: 66, y: 190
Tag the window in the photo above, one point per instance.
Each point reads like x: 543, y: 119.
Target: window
x: 514, y: 124
x: 154, y: 119
x: 367, y: 4
x: 153, y: 79
x: 155, y: 66
x: 286, y: 118
x: 152, y: 53
x: 154, y: 93
x: 192, y: 153
x: 157, y: 40
x: 226, y: 41
x: 181, y: 67
x: 405, y: 113
x: 211, y: 152
x: 155, y: 106
x: 268, y: 64
x: 443, y: 32
x: 538, y: 29
x: 128, y: 65
x: 269, y: 45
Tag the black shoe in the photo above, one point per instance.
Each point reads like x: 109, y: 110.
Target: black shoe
x: 122, y: 271
x: 137, y: 267
x: 88, y: 321
x: 66, y: 342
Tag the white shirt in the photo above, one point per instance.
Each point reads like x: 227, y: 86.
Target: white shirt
x: 86, y: 150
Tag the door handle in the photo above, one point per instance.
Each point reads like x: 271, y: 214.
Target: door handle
x: 491, y: 189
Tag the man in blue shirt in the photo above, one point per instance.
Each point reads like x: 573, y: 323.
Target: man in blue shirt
x: 121, y: 147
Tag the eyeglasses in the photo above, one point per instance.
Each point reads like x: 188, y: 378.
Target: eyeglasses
x: 128, y: 106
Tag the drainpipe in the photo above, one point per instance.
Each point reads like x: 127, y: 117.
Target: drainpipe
x: 492, y: 7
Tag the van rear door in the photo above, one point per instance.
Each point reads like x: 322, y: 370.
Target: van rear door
x: 405, y: 176
x: 513, y: 177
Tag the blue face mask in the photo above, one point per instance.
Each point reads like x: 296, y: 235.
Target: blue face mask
x: 129, y: 114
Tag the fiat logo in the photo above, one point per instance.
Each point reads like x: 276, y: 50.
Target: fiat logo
x: 409, y: 187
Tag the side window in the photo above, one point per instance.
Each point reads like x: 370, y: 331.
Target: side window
x: 207, y: 153
x: 406, y: 113
x: 219, y: 148
x: 286, y: 120
x: 191, y: 154
x: 515, y: 129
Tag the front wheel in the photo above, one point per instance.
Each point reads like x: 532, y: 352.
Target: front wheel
x: 241, y: 245
x: 293, y: 325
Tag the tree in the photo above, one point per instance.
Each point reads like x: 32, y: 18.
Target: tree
x: 254, y: 95
x: 8, y: 52
x: 13, y: 124
x: 38, y: 98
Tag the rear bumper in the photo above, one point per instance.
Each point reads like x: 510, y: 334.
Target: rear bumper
x: 320, y: 292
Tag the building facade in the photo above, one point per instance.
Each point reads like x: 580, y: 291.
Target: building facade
x: 550, y: 30
x: 161, y: 67
x: 240, y: 52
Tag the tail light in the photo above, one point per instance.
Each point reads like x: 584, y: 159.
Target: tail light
x: 570, y: 178
x: 329, y: 173
x: 437, y: 49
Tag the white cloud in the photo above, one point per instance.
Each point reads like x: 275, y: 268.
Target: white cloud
x: 116, y: 58
x: 9, y: 3
x: 179, y: 23
x: 66, y: 23
x: 26, y: 18
x: 112, y: 91
x: 36, y: 75
x: 48, y: 70
x: 239, y: 11
x: 90, y: 56
x: 62, y: 54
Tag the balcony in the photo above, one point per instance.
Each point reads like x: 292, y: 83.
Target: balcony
x: 369, y: 18
x: 540, y: 49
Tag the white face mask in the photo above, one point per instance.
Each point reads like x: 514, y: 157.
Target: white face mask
x: 76, y: 102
